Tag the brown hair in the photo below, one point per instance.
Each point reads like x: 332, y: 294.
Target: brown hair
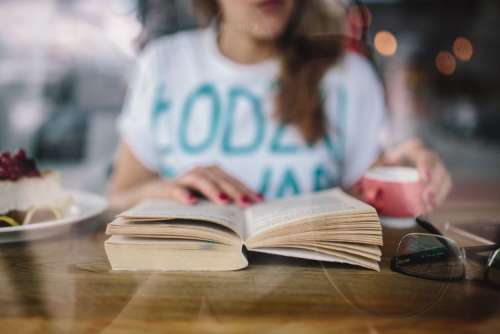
x: 310, y: 45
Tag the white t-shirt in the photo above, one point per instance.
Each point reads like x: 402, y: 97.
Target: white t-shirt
x: 189, y: 106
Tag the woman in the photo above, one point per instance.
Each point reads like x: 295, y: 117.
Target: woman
x: 261, y: 103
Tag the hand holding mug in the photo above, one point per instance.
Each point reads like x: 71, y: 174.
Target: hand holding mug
x: 394, y: 191
x: 434, y: 176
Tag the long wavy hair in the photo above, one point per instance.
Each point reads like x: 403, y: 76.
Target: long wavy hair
x: 310, y: 45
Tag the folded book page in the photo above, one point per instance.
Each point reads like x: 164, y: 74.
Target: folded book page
x: 174, y: 228
x: 229, y: 216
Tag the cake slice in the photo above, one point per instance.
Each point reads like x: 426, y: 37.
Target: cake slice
x: 27, y: 195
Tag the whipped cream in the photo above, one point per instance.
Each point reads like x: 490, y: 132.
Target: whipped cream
x: 30, y: 192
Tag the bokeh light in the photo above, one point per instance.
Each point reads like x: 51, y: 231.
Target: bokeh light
x: 386, y: 43
x: 463, y: 49
x: 446, y: 63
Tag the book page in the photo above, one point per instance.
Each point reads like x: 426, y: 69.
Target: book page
x: 265, y: 216
x: 174, y: 228
x: 312, y: 255
x: 226, y: 215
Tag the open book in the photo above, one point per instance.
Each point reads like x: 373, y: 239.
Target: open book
x: 328, y: 226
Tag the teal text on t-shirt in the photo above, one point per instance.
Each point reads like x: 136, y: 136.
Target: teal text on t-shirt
x: 221, y: 129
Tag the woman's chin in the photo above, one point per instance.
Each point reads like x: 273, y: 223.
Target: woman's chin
x: 267, y: 32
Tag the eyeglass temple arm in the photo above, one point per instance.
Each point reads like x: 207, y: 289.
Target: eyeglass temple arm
x: 426, y: 225
x: 483, y: 248
x: 473, y: 252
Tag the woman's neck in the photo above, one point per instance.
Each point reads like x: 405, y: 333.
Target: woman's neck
x: 241, y: 47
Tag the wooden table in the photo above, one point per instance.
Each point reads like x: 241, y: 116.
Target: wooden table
x: 65, y: 285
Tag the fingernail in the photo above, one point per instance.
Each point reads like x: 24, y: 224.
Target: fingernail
x: 223, y: 197
x: 191, y: 197
x: 245, y: 199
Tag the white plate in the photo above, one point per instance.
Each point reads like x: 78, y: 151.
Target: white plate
x: 85, y: 206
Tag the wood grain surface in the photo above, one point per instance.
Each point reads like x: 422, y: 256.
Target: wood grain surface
x: 64, y: 285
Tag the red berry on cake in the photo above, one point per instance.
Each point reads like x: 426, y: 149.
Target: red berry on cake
x: 26, y: 194
x: 5, y: 159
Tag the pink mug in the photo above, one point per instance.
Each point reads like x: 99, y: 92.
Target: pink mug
x: 393, y: 191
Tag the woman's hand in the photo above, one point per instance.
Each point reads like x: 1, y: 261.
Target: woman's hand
x: 210, y: 182
x: 432, y: 171
x: 132, y: 182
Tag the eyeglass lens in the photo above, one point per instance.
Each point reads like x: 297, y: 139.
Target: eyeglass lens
x: 494, y: 268
x: 429, y: 256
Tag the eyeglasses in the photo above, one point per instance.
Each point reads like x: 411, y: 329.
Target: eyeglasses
x: 435, y: 257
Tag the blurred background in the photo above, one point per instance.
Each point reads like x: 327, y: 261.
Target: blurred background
x: 64, y: 66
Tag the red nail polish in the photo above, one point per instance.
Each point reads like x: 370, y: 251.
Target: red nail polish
x: 223, y: 197
x: 245, y: 199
